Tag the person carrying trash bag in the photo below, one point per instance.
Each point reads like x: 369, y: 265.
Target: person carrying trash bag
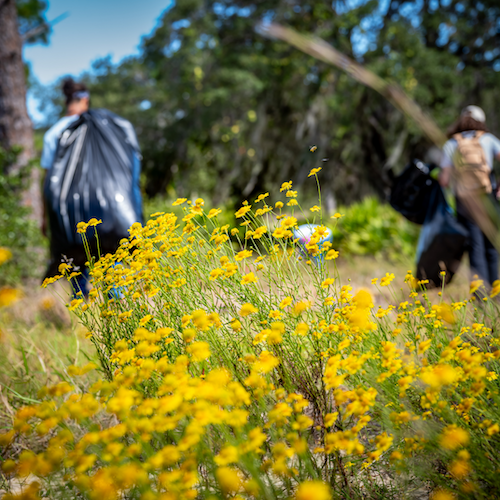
x: 92, y: 161
x: 467, y: 165
x: 417, y: 195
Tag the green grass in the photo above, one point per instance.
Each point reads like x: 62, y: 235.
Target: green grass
x: 39, y: 338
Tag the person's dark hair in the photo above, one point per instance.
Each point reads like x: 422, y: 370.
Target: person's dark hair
x: 71, y: 89
x: 465, y: 123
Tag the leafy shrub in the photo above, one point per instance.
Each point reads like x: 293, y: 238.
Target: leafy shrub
x: 18, y: 232
x: 252, y: 373
x: 374, y: 228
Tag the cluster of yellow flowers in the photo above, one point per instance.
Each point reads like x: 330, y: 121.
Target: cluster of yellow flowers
x: 232, y: 368
x: 8, y: 295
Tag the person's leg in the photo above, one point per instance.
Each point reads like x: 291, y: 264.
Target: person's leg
x: 117, y: 292
x: 491, y: 260
x: 80, y: 284
x: 476, y: 250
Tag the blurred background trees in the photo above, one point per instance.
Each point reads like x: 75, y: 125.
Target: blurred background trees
x: 225, y: 113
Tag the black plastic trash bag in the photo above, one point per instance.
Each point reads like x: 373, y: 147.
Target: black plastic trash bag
x: 92, y: 177
x: 412, y: 190
x: 441, y: 243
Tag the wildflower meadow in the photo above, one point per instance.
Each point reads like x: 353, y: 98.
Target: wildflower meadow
x: 236, y: 362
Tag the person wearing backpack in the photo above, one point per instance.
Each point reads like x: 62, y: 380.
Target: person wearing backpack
x: 92, y: 163
x: 467, y: 165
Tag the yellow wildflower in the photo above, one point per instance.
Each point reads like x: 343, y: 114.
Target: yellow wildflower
x: 81, y: 227
x: 179, y: 201
x: 236, y: 325
x: 228, y: 455
x: 363, y: 299
x: 495, y: 290
x: 475, y: 285
x: 453, y: 437
x: 259, y: 232
x: 289, y: 222
x: 281, y: 232
x: 386, y: 280
x: 331, y: 254
x: 249, y: 278
x: 313, y: 490
x: 285, y: 302
x: 5, y: 255
x: 445, y: 311
x: 261, y: 197
x: 242, y: 211
x: 8, y: 296
x: 214, y: 212
x: 199, y: 351
x: 442, y: 495
x: 265, y: 362
x: 314, y: 171
x: 247, y: 309
x: 301, y: 329
x: 286, y: 186
x: 439, y: 375
x: 301, y: 306
x: 243, y: 255
x: 216, y: 273
x: 326, y: 283
x: 229, y: 480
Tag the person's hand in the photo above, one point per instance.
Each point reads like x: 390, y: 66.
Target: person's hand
x: 444, y: 177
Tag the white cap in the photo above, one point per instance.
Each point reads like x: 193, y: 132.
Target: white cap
x: 475, y: 112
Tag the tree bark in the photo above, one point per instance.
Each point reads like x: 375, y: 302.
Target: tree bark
x: 15, y: 125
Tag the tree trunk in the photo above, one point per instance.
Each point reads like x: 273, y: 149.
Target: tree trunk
x: 15, y: 125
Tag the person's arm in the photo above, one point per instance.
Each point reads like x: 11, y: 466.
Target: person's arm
x: 48, y: 152
x: 446, y: 165
x: 44, y: 208
x: 136, y: 187
x: 444, y: 177
x: 496, y: 156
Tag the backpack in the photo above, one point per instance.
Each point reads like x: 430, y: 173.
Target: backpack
x: 472, y: 172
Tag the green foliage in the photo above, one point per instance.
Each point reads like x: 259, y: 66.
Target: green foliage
x: 31, y: 17
x: 232, y: 113
x: 224, y: 113
x: 18, y: 232
x: 374, y: 228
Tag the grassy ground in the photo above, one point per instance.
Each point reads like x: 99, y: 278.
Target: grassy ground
x: 361, y: 270
x: 39, y: 338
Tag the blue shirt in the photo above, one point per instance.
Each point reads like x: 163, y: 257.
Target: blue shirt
x: 51, y: 139
x: 489, y: 143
